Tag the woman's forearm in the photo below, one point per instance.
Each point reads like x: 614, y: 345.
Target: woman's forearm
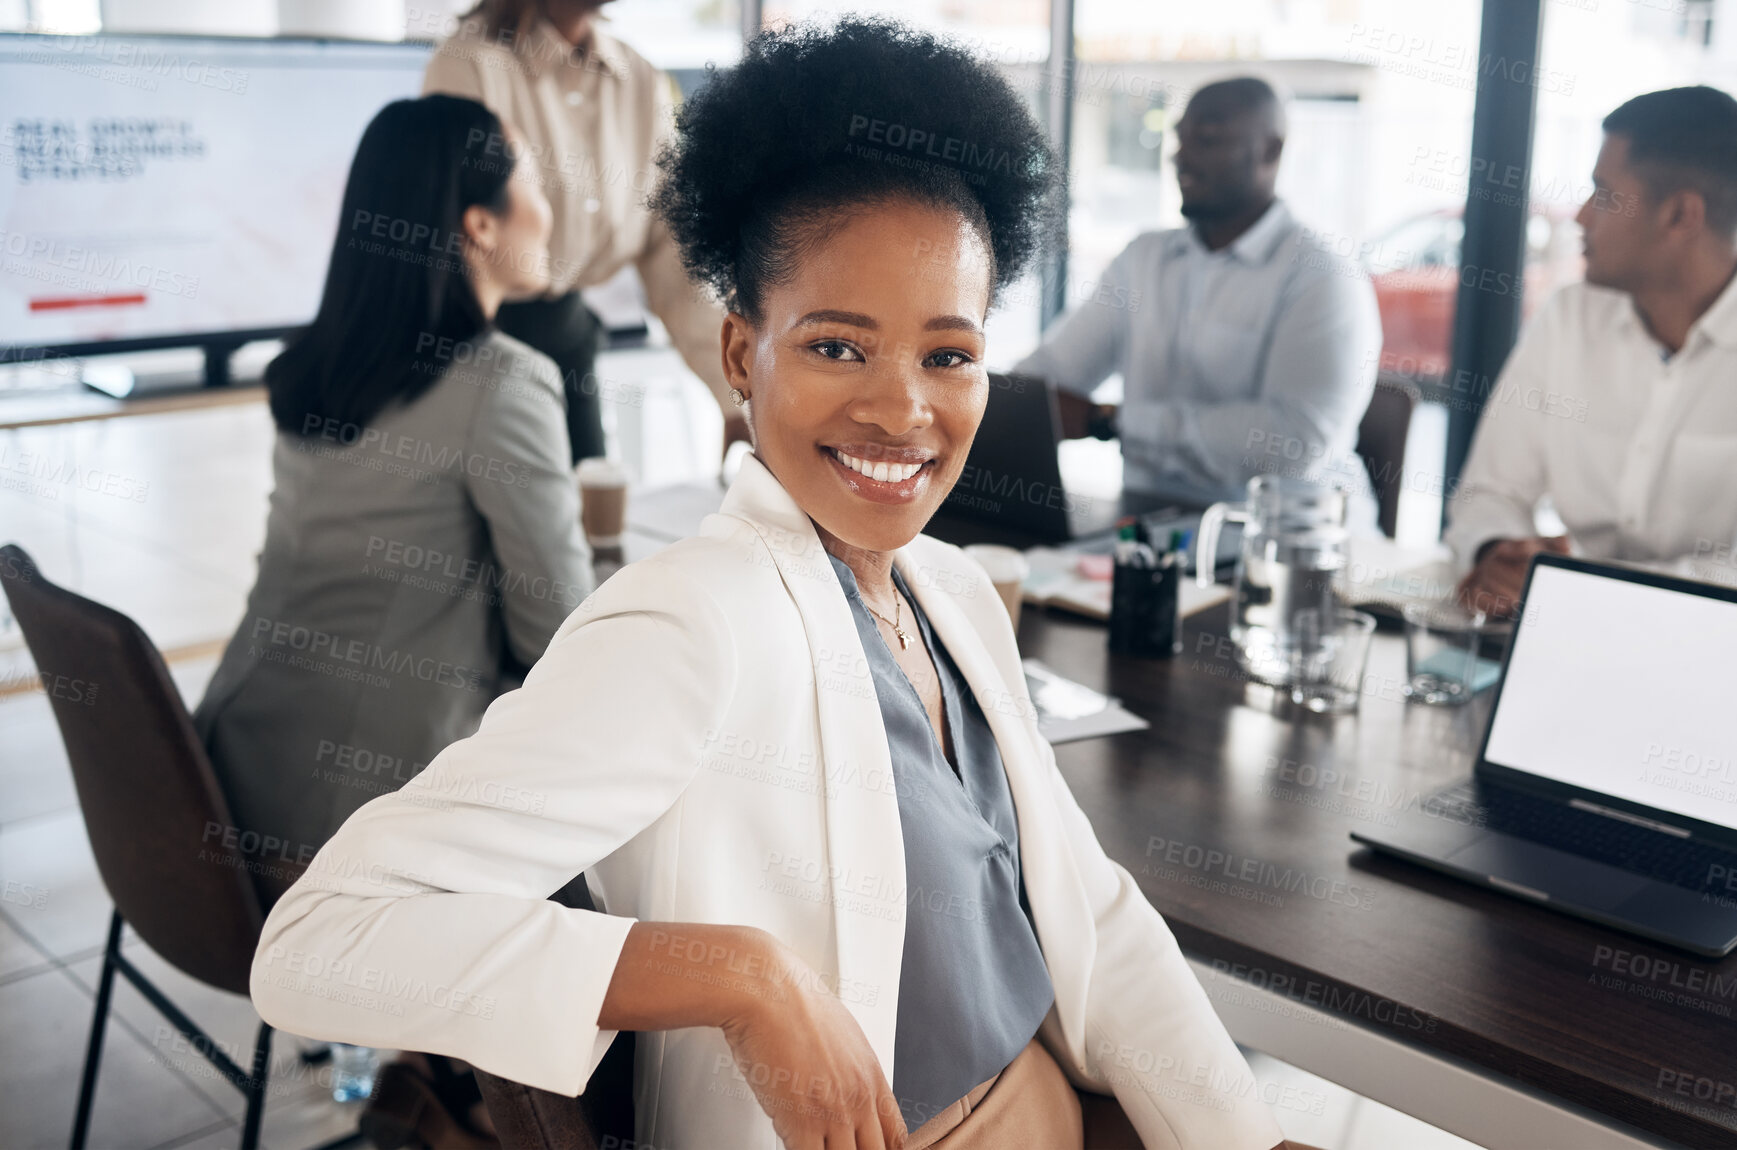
x: 797, y: 1047
x: 673, y: 974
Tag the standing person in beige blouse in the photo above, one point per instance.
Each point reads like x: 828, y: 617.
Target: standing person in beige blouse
x: 592, y: 113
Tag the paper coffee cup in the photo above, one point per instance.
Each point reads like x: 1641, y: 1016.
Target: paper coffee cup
x: 602, y: 501
x: 1007, y: 568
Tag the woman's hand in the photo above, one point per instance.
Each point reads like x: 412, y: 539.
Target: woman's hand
x: 812, y: 1069
x: 801, y: 1052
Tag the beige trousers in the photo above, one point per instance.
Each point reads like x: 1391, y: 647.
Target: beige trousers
x: 1029, y: 1106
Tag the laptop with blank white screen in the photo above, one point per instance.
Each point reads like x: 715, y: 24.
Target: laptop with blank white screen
x: 1606, y: 786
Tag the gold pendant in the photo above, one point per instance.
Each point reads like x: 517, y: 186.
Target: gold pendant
x: 904, y: 639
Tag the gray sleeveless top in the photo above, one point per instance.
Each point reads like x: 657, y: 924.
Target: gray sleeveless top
x: 973, y: 987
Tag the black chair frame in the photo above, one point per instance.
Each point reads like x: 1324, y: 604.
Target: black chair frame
x: 156, y: 719
x: 252, y: 1083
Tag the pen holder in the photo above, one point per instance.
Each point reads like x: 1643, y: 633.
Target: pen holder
x: 1144, y: 606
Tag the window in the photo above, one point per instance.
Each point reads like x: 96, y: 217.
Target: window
x: 1604, y: 54
x: 680, y: 36
x: 1380, y: 124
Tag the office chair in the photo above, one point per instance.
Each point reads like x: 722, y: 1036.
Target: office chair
x: 150, y: 800
x: 1381, y: 439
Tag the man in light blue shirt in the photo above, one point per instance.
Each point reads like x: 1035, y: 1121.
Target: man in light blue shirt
x: 1246, y: 345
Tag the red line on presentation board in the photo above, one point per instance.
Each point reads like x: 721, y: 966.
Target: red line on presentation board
x: 62, y: 303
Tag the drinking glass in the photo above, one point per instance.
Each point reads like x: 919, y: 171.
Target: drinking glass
x: 1328, y: 656
x: 1441, y: 652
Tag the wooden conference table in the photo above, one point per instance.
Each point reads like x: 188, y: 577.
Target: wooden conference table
x: 1510, y: 1025
x: 1233, y: 812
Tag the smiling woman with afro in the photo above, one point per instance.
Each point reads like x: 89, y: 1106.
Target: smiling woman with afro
x: 847, y: 899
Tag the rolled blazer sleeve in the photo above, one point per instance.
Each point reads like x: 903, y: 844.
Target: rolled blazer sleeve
x: 1151, y: 1032
x: 423, y: 924
x: 522, y: 484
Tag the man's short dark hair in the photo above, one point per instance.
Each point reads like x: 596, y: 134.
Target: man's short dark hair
x: 1239, y: 95
x: 1684, y: 138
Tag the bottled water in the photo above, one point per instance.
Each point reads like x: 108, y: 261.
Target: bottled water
x: 353, y: 1070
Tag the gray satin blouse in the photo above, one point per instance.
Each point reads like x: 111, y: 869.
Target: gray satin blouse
x: 973, y: 986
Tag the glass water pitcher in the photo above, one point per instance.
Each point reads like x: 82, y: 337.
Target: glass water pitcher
x: 1293, y: 544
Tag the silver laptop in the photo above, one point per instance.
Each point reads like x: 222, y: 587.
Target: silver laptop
x: 1606, y: 785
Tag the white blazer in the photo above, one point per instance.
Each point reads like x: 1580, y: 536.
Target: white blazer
x: 702, y: 739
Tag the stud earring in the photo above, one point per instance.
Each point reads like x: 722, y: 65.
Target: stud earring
x: 738, y: 396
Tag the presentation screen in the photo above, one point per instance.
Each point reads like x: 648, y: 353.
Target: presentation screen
x: 159, y: 188
x: 1625, y: 689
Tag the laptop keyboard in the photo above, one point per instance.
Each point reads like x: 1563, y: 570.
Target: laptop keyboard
x: 1666, y: 858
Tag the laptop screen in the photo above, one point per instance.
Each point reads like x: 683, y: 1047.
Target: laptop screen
x: 1625, y: 689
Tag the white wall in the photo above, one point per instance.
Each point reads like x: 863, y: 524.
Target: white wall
x: 70, y: 17
x: 348, y: 19
x: 214, y: 17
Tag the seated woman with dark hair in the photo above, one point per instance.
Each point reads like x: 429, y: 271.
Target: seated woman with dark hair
x: 423, y: 541
x: 845, y: 894
x: 423, y: 538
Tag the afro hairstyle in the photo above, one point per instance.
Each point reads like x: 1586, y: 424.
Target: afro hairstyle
x: 770, y: 155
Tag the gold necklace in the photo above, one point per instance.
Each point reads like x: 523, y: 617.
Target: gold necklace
x: 898, y: 613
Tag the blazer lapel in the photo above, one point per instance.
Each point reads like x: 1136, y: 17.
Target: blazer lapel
x: 863, y: 833
x: 1057, y: 895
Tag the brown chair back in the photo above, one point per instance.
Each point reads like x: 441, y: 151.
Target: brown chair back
x: 1381, y: 439
x: 164, y: 842
x: 526, y: 1118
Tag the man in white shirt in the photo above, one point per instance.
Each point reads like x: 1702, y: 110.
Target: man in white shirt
x: 1619, y: 404
x: 1245, y: 344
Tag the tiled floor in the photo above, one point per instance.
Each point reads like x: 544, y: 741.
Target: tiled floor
x: 153, y: 1091
x: 172, y: 543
